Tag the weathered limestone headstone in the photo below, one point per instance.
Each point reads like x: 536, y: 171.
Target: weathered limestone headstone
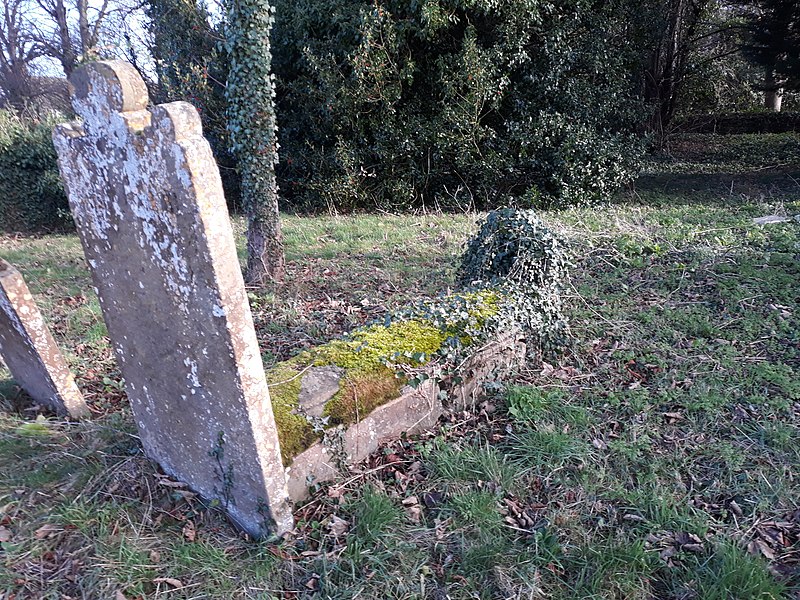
x: 147, y: 198
x: 30, y: 352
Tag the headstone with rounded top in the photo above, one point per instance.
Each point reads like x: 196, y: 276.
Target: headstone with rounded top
x: 147, y: 199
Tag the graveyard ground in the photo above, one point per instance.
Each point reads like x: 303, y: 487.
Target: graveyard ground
x: 658, y: 457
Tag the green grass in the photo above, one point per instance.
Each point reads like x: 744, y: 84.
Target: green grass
x: 656, y: 458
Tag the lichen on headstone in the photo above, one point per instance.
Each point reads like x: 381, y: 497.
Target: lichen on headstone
x: 30, y: 352
x: 147, y: 200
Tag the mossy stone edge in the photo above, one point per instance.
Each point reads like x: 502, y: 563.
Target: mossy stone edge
x: 377, y: 360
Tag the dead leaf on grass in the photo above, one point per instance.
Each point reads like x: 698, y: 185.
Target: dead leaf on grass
x: 175, y: 583
x: 313, y: 583
x: 5, y: 534
x: 634, y: 517
x: 47, y: 530
x: 338, y: 526
x: 433, y: 499
x: 171, y: 484
x: 759, y: 547
x: 673, y: 416
x: 414, y: 513
x: 189, y: 531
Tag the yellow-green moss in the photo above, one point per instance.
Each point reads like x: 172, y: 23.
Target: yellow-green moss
x: 294, y: 431
x: 369, y: 348
x: 480, y: 307
x: 362, y: 392
x: 368, y: 382
x: 486, y: 304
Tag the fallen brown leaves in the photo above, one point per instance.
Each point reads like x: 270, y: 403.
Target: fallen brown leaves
x: 670, y: 545
x: 778, y: 540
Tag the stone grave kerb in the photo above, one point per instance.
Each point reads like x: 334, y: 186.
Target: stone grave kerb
x: 147, y: 199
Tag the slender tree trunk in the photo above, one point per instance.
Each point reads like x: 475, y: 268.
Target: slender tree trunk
x: 251, y: 122
x: 83, y: 26
x: 773, y: 93
x: 16, y: 81
x: 68, y: 58
x: 666, y: 72
x: 265, y: 255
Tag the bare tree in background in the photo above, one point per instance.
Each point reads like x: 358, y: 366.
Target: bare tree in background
x: 18, y: 52
x: 72, y: 30
x: 35, y: 33
x: 675, y: 26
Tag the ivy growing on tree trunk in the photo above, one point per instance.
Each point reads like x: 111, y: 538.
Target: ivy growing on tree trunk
x: 250, y: 93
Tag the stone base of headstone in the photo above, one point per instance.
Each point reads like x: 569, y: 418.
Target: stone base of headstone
x: 29, y: 351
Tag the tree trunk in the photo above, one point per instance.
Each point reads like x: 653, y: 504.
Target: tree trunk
x: 265, y: 258
x: 773, y: 93
x: 68, y: 58
x: 14, y: 71
x: 251, y: 122
x: 83, y: 27
x: 265, y: 255
x: 774, y: 99
x: 666, y: 70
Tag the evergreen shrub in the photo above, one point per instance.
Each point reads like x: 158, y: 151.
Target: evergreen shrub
x: 453, y: 103
x: 31, y: 195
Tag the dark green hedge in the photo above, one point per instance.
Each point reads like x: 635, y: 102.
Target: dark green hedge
x: 452, y: 104
x: 31, y: 195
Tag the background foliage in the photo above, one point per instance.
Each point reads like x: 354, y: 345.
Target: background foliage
x: 191, y: 65
x: 31, y: 194
x: 446, y: 103
x: 458, y: 104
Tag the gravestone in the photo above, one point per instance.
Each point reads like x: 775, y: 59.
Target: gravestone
x: 147, y: 199
x: 30, y: 352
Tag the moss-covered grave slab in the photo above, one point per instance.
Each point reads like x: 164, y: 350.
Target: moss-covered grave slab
x: 391, y: 380
x: 414, y: 411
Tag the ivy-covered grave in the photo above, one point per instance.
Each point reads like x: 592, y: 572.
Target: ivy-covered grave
x: 334, y: 403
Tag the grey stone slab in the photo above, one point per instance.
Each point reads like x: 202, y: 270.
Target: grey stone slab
x: 29, y: 351
x: 769, y: 219
x: 147, y: 199
x: 319, y: 385
x: 415, y: 410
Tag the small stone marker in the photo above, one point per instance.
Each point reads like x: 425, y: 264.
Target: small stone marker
x: 30, y: 352
x: 147, y: 198
x: 770, y: 219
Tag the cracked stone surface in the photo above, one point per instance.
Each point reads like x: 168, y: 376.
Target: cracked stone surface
x: 147, y: 199
x: 318, y: 385
x: 29, y: 351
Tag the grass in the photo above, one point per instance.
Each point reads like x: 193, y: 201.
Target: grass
x: 656, y: 458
